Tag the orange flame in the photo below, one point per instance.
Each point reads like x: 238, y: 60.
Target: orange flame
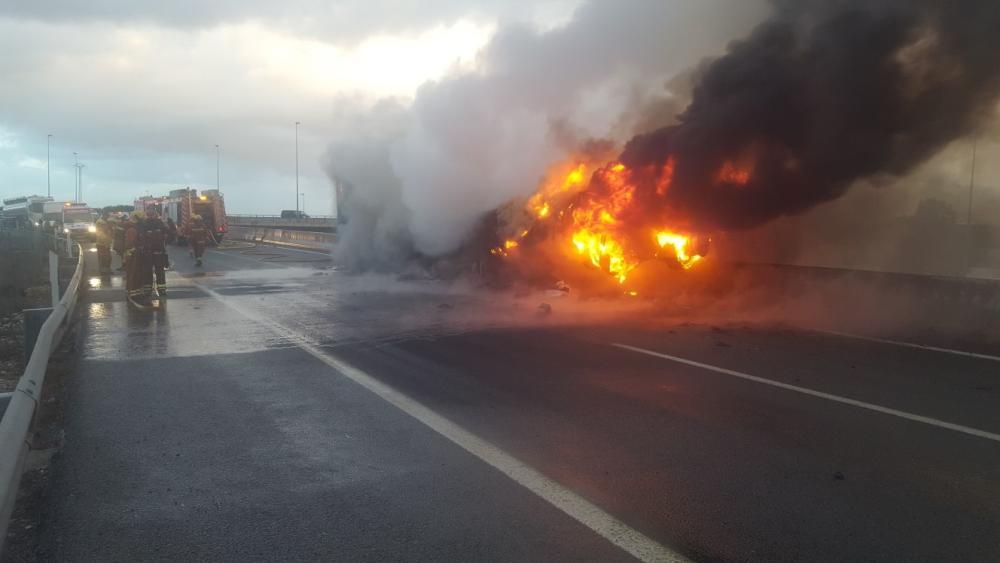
x: 594, y: 228
x: 679, y: 244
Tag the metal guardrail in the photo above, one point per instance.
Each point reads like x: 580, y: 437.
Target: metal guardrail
x: 20, y: 414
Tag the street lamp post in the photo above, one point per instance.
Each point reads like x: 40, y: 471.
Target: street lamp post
x: 76, y: 178
x: 80, y: 196
x: 972, y: 181
x: 48, y: 164
x: 303, y: 194
x: 296, y: 167
x: 218, y: 157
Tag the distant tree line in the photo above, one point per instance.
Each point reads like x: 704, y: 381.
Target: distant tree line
x: 118, y: 209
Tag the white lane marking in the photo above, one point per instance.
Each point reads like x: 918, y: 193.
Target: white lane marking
x: 828, y: 396
x: 911, y: 345
x: 590, y: 515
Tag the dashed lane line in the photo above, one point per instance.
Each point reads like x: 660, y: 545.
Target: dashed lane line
x: 590, y: 515
x: 819, y: 394
x: 911, y: 345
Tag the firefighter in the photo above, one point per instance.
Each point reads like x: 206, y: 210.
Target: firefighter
x: 118, y: 239
x: 132, y: 247
x: 154, y: 238
x: 198, y: 237
x: 104, y: 246
x: 171, y: 231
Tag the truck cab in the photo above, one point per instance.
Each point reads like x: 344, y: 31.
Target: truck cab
x: 79, y: 221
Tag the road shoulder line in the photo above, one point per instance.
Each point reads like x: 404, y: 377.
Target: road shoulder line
x: 819, y: 394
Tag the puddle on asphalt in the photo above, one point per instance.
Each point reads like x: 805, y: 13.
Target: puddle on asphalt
x: 104, y: 282
x: 188, y: 327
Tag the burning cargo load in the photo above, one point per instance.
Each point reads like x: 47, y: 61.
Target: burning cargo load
x: 597, y: 218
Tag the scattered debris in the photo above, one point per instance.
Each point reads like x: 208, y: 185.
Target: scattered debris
x: 559, y: 289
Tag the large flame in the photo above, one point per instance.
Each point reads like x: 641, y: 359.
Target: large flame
x: 590, y: 220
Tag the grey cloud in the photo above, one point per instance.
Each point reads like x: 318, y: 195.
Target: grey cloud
x: 338, y: 21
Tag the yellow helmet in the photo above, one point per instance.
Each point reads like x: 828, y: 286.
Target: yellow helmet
x: 138, y: 215
x: 196, y: 217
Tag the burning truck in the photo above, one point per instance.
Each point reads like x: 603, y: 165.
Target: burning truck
x: 789, y: 118
x: 818, y: 98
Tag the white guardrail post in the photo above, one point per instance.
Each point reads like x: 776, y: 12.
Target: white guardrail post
x: 54, y: 276
x: 19, y: 416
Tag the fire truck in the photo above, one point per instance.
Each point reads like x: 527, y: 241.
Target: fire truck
x: 181, y: 204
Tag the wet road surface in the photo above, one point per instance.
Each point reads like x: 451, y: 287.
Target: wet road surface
x: 275, y: 409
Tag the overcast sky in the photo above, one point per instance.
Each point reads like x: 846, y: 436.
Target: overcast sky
x: 143, y: 91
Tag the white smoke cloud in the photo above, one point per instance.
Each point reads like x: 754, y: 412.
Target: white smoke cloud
x: 481, y: 136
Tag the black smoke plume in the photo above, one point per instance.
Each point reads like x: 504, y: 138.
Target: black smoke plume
x: 824, y: 93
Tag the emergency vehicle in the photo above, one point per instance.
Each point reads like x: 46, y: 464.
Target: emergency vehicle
x: 181, y: 204
x: 18, y: 211
x: 79, y: 221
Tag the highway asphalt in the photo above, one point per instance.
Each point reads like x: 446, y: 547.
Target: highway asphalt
x: 277, y: 409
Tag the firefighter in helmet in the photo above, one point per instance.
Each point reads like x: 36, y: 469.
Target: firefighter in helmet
x: 104, y: 235
x: 133, y: 258
x: 198, y: 236
x: 154, y: 238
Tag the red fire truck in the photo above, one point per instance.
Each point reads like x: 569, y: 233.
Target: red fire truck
x: 181, y: 204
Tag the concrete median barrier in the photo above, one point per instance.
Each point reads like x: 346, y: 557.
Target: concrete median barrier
x: 307, y: 240
x: 976, y: 297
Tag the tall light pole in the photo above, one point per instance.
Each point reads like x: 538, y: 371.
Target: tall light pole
x: 296, y: 167
x: 76, y: 178
x: 972, y: 181
x: 218, y: 157
x: 80, y: 194
x: 48, y: 164
x: 303, y: 194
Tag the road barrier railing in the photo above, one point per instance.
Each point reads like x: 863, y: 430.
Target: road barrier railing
x: 17, y: 421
